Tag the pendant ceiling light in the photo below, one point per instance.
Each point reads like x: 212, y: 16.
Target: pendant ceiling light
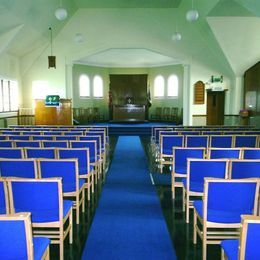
x: 176, y: 36
x: 192, y: 15
x: 51, y: 58
x: 61, y: 13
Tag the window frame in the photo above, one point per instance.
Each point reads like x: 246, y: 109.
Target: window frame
x: 158, y: 77
x: 168, y: 85
x: 89, y: 89
x: 102, y: 86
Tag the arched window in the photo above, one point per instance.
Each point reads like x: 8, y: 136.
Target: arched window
x: 159, y: 86
x: 84, y: 86
x: 98, y: 87
x: 172, y: 86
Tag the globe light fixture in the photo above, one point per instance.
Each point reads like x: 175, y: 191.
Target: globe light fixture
x: 176, y: 36
x: 61, y: 14
x: 192, y: 15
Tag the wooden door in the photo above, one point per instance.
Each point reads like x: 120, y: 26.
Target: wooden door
x: 215, y: 107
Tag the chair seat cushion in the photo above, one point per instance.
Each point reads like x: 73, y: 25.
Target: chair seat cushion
x: 230, y: 248
x: 67, y: 206
x: 220, y: 216
x: 194, y: 186
x: 180, y: 169
x: 40, y: 244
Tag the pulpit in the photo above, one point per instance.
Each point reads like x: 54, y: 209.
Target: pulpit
x: 53, y: 115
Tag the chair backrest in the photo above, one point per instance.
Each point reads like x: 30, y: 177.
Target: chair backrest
x: 170, y: 141
x: 221, y: 141
x: 42, y: 137
x: 251, y: 153
x: 240, y: 169
x: 197, y: 141
x: 91, y: 145
x: 11, y: 153
x: 245, y: 141
x: 23, y: 168
x: 66, y: 138
x: 219, y: 153
x: 82, y: 154
x: 19, y: 137
x: 61, y: 143
x: 96, y: 138
x: 181, y: 156
x: 16, y: 240
x: 242, y: 197
x: 250, y: 238
x: 35, y: 143
x: 67, y: 169
x: 199, y: 169
x: 6, y: 143
x: 41, y: 197
x: 4, y: 202
x: 40, y: 152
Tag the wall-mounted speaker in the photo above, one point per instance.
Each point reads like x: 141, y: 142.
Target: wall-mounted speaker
x: 52, y: 61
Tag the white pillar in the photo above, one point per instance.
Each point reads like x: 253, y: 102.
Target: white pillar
x: 237, y: 96
x: 187, y: 117
x: 69, y: 81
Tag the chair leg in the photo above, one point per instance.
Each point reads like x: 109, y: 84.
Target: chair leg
x: 77, y: 209
x: 187, y: 209
x: 71, y: 229
x: 194, y: 228
x: 173, y: 187
x: 204, y: 243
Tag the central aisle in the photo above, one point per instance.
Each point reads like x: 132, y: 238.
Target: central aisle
x: 128, y: 223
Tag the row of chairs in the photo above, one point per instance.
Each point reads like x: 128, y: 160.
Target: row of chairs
x: 166, y: 114
x: 68, y: 169
x: 163, y: 152
x: 180, y: 156
x: 51, y: 215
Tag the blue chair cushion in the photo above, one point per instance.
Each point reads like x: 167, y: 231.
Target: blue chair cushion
x: 67, y: 205
x: 81, y: 183
x: 194, y: 186
x: 218, y: 215
x: 180, y: 169
x: 230, y: 248
x: 40, y: 244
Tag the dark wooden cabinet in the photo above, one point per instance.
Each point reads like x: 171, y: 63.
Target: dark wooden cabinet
x: 129, y: 113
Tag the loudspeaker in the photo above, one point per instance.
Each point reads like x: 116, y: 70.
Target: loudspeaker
x: 52, y: 61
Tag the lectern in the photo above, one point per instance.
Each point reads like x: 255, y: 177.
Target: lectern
x: 53, y: 115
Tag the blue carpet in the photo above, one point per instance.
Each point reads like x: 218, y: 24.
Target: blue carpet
x: 129, y: 223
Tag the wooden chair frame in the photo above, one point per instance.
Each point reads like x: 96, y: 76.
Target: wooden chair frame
x: 56, y: 230
x: 212, y: 232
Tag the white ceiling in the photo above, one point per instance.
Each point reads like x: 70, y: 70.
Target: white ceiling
x: 123, y: 33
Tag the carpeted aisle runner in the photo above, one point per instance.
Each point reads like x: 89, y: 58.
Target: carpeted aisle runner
x: 128, y: 223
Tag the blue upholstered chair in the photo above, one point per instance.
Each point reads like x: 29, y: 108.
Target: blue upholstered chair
x: 94, y: 161
x: 72, y: 186
x: 197, y: 171
x: 224, y: 153
x: 179, y: 164
x: 247, y: 246
x: 51, y: 215
x: 167, y: 142
x: 197, y: 141
x: 11, y: 152
x: 241, y: 169
x: 85, y: 170
x: 6, y: 143
x: 61, y: 143
x: 19, y: 137
x: 25, y: 143
x: 40, y: 152
x: 251, y: 153
x: 66, y: 138
x: 42, y: 137
x: 22, y: 168
x: 17, y: 241
x: 219, y: 213
x: 221, y: 141
x: 245, y: 141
